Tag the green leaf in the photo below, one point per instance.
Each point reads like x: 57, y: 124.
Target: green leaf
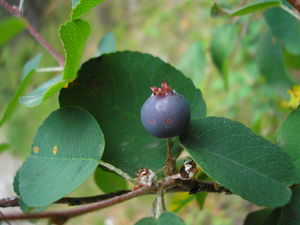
x: 16, y: 183
x: 180, y: 201
x: 256, y: 6
x: 107, y: 44
x: 270, y: 61
x: 290, y: 214
x: 200, y: 198
x: 4, y: 146
x: 109, y: 182
x: 267, y: 216
x: 288, y: 135
x: 221, y: 47
x: 285, y: 27
x: 193, y: 62
x: 43, y: 92
x: 291, y: 61
x: 9, y: 28
x: 80, y: 7
x: 28, y: 71
x: 74, y: 35
x: 66, y: 150
x: 243, y: 162
x: 166, y: 218
x: 113, y: 88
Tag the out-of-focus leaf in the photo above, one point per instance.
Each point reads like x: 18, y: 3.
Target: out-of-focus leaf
x: 284, y: 27
x: 257, y: 217
x: 200, y: 198
x: 113, y: 87
x: 291, y: 61
x: 180, y: 201
x: 9, y: 28
x: 80, y: 7
x: 166, y: 218
x: 4, y: 146
x: 109, y: 182
x: 288, y: 135
x: 294, y: 100
x: 107, y: 44
x: 66, y: 150
x: 228, y: 151
x: 270, y: 61
x: 256, y: 6
x: 221, y: 47
x: 193, y: 62
x: 290, y: 214
x: 28, y: 71
x: 43, y: 92
x: 74, y: 35
x: 267, y: 216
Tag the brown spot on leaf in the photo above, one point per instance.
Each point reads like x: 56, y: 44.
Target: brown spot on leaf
x: 36, y: 149
x: 54, y: 150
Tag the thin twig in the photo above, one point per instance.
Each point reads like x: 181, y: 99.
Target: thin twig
x: 65, y: 214
x: 192, y: 186
x: 15, y: 201
x: 170, y: 185
x: 14, y: 11
x: 90, y: 199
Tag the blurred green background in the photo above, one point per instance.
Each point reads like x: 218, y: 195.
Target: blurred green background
x: 181, y: 33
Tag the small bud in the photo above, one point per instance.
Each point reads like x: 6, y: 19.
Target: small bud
x: 188, y: 170
x: 146, y: 177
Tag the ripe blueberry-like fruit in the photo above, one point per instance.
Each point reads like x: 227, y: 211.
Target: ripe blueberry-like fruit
x: 165, y: 113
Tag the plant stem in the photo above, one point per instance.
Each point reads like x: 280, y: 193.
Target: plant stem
x: 159, y: 204
x: 170, y: 164
x: 65, y: 214
x: 14, y: 11
x: 15, y: 201
x: 168, y: 185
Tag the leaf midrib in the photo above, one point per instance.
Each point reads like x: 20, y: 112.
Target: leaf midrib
x: 243, y: 166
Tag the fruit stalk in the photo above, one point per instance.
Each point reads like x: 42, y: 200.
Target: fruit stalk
x: 170, y: 164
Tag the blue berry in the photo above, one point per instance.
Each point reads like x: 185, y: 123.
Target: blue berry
x: 165, y: 113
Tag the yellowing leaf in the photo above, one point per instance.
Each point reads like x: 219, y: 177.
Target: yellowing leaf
x: 294, y: 101
x: 180, y: 201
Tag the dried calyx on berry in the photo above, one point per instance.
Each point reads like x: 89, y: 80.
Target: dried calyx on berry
x: 164, y: 90
x: 165, y: 113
